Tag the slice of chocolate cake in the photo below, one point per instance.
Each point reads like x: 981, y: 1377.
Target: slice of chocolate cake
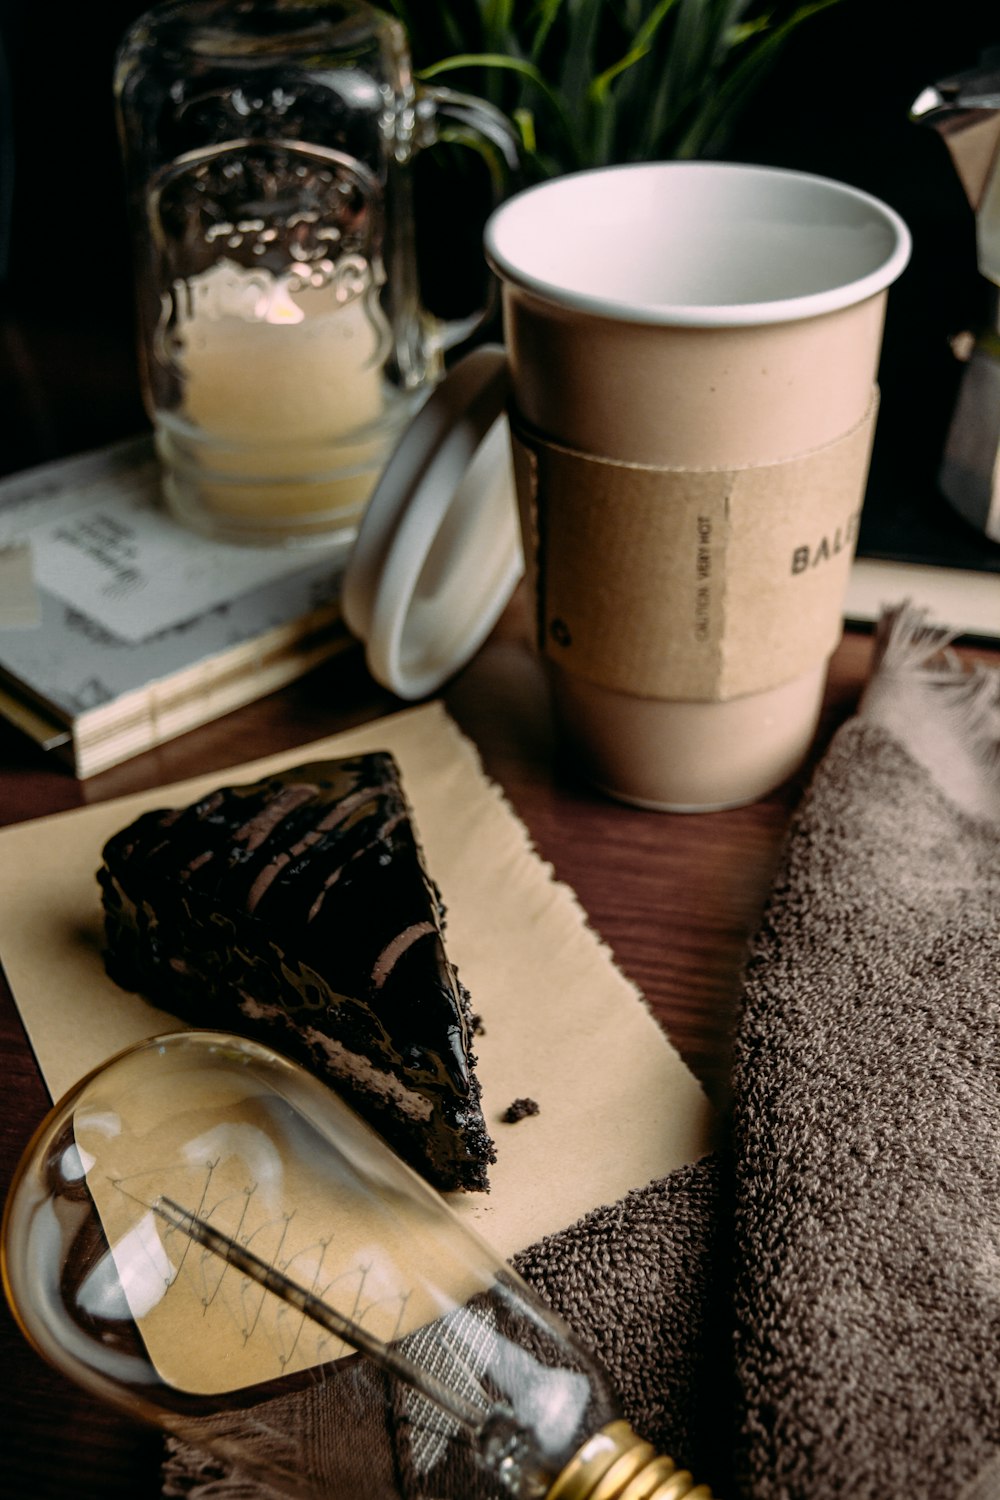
x: 298, y: 910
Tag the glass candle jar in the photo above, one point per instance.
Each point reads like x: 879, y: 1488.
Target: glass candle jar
x: 283, y: 342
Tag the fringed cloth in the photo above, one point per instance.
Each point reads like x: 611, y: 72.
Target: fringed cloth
x: 815, y: 1311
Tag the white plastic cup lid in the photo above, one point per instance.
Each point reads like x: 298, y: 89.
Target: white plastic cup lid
x: 438, y: 552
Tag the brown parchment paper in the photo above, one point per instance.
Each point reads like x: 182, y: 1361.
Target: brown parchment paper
x: 618, y: 1107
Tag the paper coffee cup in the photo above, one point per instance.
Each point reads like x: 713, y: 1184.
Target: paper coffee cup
x: 693, y: 350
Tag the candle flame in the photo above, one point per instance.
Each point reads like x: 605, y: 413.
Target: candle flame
x: 276, y: 306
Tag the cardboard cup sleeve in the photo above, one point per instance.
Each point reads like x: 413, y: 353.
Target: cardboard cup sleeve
x: 682, y: 584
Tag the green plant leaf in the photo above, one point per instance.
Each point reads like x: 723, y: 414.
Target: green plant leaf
x: 735, y: 91
x: 548, y: 11
x: 498, y: 18
x: 579, y: 59
x: 690, y: 51
x: 455, y: 135
x: 488, y: 60
x: 643, y: 41
x: 501, y: 62
x: 525, y: 122
x: 594, y: 81
x: 603, y: 135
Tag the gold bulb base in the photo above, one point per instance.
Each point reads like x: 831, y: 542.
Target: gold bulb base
x: 614, y: 1464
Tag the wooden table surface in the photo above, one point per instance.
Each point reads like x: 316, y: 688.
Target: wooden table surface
x: 674, y: 896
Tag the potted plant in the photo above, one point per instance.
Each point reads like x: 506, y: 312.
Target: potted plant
x: 592, y: 82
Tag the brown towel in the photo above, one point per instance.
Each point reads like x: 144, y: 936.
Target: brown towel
x: 816, y: 1313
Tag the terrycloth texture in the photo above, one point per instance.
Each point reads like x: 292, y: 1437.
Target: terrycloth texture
x: 817, y: 1313
x: 867, y: 1144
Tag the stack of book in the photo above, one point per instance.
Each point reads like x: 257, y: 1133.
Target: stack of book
x: 120, y: 629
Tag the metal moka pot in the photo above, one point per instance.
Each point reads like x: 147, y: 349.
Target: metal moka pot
x: 964, y: 109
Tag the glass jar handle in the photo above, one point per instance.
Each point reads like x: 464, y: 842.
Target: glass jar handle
x: 475, y: 123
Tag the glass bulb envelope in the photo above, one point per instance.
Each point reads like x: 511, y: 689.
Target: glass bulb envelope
x: 205, y: 1235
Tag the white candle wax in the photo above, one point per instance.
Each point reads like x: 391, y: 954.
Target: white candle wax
x: 277, y: 379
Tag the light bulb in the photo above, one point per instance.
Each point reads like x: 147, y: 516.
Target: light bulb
x: 206, y: 1236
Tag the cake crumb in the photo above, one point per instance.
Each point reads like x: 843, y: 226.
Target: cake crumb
x: 519, y: 1110
x: 476, y: 1022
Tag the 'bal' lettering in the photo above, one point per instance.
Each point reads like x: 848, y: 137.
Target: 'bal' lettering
x: 804, y: 558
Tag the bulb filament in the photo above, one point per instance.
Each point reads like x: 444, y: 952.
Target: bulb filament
x: 328, y: 1318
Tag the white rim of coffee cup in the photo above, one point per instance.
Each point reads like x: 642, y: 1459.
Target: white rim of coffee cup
x: 557, y: 241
